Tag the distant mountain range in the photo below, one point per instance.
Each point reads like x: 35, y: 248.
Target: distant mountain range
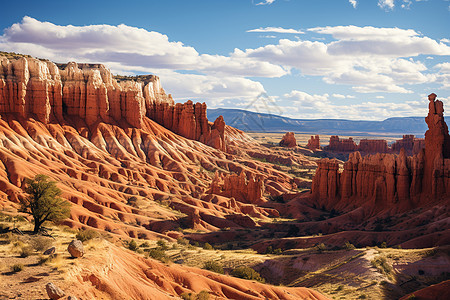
x: 261, y: 122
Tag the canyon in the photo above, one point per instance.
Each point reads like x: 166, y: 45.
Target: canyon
x: 135, y: 165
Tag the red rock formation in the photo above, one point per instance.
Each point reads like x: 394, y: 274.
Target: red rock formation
x: 411, y: 144
x: 243, y: 188
x: 373, y: 146
x: 341, y: 145
x: 288, y: 140
x: 389, y: 180
x: 313, y: 143
x: 49, y: 92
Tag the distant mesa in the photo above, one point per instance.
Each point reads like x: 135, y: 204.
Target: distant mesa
x: 383, y: 181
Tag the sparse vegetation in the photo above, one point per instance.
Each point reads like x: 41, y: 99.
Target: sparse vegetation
x: 246, y: 272
x: 182, y: 241
x: 207, y: 246
x: 382, y: 265
x: 41, y: 243
x: 159, y: 254
x: 17, y: 268
x: 132, y: 245
x: 26, y: 251
x: 349, y: 246
x: 162, y: 244
x: 213, y: 266
x: 86, y: 235
x: 43, y: 201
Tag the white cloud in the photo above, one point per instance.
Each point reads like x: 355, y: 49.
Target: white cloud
x: 340, y: 96
x: 128, y: 49
x: 320, y: 107
x: 386, y: 4
x: 129, y: 46
x: 276, y: 29
x: 265, y: 2
x: 353, y: 3
x: 368, y: 58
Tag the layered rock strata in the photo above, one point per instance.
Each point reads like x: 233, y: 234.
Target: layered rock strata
x: 390, y: 180
x: 48, y: 92
x: 243, y: 188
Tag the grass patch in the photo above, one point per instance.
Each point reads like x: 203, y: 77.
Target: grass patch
x: 86, y: 235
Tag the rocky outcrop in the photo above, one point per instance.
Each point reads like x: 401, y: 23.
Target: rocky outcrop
x: 373, y: 146
x: 48, y: 92
x: 313, y: 143
x: 243, y: 188
x: 390, y: 180
x: 288, y: 140
x: 341, y: 145
x: 410, y: 143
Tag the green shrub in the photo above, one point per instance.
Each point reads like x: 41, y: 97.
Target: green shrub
x: 321, y: 247
x: 86, y: 235
x: 132, y: 245
x: 207, y: 246
x: 162, y: 244
x: 214, y: 266
x: 277, y: 251
x: 158, y: 254
x: 145, y: 245
x: 269, y: 250
x: 203, y: 295
x: 182, y: 241
x: 348, y: 246
x: 17, y: 268
x: 382, y: 265
x: 187, y: 296
x: 248, y: 273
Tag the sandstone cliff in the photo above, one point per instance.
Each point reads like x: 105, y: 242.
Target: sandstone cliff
x: 48, y: 92
x: 390, y: 180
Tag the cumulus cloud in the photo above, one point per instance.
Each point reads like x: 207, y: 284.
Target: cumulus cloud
x: 353, y: 3
x: 368, y: 58
x: 310, y: 106
x: 124, y: 44
x: 276, y: 30
x: 127, y: 49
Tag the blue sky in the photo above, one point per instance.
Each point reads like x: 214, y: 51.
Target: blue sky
x: 349, y: 59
